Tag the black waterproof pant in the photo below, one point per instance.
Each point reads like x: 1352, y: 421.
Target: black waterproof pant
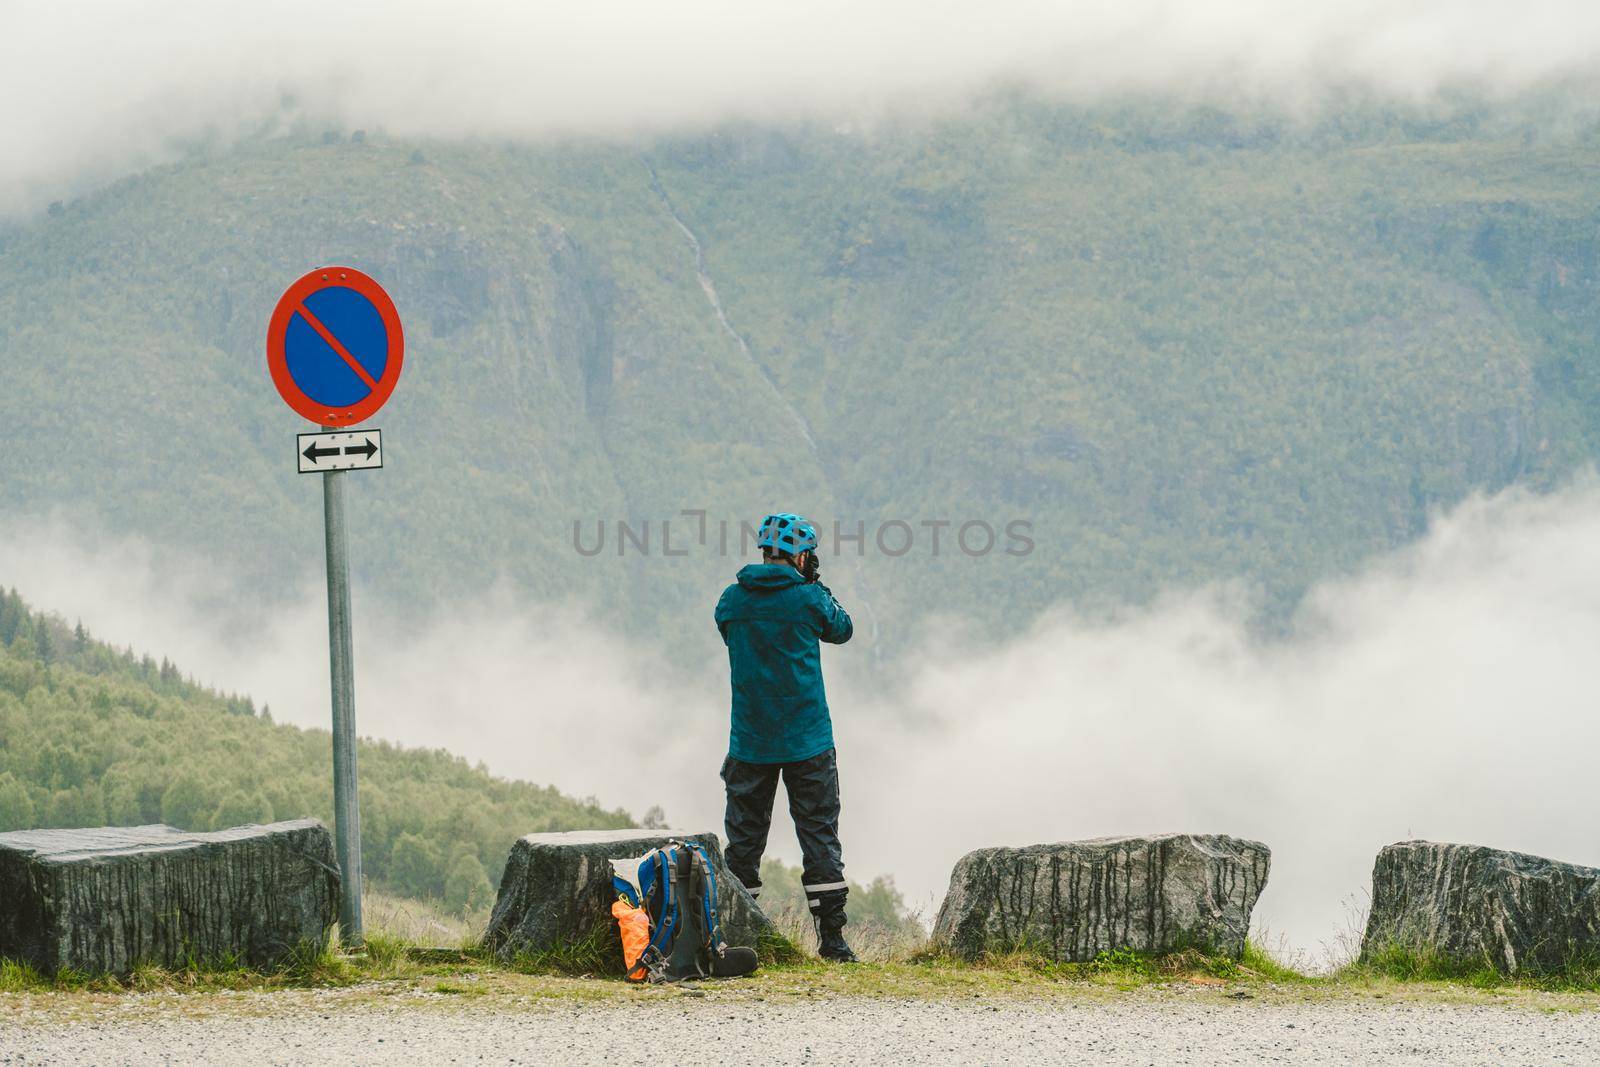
x: 813, y: 788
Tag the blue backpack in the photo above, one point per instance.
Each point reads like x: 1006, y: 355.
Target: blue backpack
x: 677, y: 885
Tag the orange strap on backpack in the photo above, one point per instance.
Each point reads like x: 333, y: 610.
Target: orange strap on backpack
x: 635, y: 926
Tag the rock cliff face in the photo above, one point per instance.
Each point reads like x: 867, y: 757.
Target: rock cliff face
x: 557, y: 891
x: 108, y: 899
x: 1074, y: 900
x: 1476, y: 905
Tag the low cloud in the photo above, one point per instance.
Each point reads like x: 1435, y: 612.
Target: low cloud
x: 1445, y: 692
x: 91, y: 91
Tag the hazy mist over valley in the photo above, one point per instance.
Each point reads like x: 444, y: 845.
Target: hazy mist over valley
x: 1442, y: 692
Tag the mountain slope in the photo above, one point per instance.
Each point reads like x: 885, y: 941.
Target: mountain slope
x: 1183, y: 346
x: 90, y: 736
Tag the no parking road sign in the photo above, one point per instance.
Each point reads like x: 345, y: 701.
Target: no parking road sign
x: 335, y: 347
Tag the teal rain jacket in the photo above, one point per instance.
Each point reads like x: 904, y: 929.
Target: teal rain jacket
x: 771, y: 621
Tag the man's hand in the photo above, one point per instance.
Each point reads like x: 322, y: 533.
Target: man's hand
x: 811, y: 568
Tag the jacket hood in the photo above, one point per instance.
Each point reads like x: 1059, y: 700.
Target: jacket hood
x: 769, y: 576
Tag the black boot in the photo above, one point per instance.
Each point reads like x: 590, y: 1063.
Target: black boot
x: 831, y: 944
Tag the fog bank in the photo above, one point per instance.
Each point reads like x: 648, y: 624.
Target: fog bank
x: 1445, y: 692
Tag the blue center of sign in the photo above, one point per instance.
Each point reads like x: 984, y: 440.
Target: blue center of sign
x: 317, y: 367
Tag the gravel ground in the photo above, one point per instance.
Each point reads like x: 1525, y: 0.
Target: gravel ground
x: 1138, y: 1029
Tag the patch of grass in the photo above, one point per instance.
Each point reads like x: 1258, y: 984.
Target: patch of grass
x: 385, y: 950
x: 18, y: 977
x: 1258, y: 962
x: 392, y: 963
x: 422, y: 924
x: 599, y: 954
x: 457, y: 989
x: 1128, y: 965
x: 1122, y: 968
x: 880, y: 934
x: 383, y: 957
x: 1126, y: 968
x: 320, y: 965
x: 1402, y: 963
x: 775, y: 949
x: 389, y: 970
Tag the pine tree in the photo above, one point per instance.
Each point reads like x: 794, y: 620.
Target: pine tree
x: 11, y: 615
x: 80, y: 639
x: 42, y: 643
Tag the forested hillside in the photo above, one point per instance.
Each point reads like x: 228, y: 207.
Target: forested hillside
x: 1183, y: 345
x: 90, y: 736
x: 93, y: 736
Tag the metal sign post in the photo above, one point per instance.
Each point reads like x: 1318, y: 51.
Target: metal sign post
x: 335, y: 348
x: 346, y: 802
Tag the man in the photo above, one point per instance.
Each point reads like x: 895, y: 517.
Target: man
x: 771, y: 619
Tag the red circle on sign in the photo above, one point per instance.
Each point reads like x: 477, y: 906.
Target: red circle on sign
x: 292, y: 301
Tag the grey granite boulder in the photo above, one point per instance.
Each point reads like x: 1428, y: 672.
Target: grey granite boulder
x: 109, y: 899
x: 1476, y: 905
x: 556, y: 892
x: 1073, y: 900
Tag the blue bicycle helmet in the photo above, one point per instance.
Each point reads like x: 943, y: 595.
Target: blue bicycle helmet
x: 786, y: 533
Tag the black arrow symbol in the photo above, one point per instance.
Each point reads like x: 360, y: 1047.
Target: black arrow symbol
x: 313, y: 453
x: 366, y: 449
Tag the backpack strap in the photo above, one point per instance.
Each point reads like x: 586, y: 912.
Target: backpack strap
x: 654, y: 957
x: 709, y: 899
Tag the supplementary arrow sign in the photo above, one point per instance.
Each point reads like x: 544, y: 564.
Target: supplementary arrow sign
x: 313, y: 453
x: 320, y: 453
